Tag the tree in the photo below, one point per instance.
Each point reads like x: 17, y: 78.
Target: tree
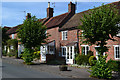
x: 100, y: 25
x: 31, y: 34
x: 5, y: 37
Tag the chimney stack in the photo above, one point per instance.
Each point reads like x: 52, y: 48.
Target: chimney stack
x: 49, y: 11
x: 71, y: 8
x: 28, y: 15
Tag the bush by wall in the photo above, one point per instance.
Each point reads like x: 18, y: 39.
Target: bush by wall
x: 101, y: 69
x: 92, y: 60
x: 4, y: 53
x: 114, y: 65
x: 82, y: 59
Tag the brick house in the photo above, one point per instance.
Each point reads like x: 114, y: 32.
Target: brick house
x: 53, y: 24
x: 69, y: 37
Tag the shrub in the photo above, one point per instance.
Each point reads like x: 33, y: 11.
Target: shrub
x: 4, y: 53
x: 92, y: 60
x: 36, y: 55
x: 27, y: 55
x: 12, y: 53
x: 82, y: 59
x: 114, y: 65
x: 101, y: 69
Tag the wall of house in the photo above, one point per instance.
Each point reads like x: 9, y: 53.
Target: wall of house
x: 110, y: 44
x: 54, y: 35
x: 71, y: 37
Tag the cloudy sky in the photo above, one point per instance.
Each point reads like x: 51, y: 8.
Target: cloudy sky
x: 13, y: 13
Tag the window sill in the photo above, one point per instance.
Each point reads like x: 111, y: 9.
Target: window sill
x: 117, y: 59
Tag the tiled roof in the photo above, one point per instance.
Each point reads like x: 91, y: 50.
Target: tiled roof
x: 74, y: 22
x: 7, y: 27
x: 13, y: 30
x: 55, y: 21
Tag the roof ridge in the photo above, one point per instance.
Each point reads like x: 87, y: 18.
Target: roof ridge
x: 55, y: 17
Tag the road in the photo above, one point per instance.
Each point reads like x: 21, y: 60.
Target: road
x: 17, y: 71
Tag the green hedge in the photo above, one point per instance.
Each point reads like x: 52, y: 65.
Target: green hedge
x: 82, y: 59
x: 114, y: 65
x: 91, y: 60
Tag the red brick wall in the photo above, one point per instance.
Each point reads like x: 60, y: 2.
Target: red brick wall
x: 71, y: 37
x: 110, y: 45
x: 54, y: 36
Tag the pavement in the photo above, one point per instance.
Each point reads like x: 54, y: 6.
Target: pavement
x: 72, y: 72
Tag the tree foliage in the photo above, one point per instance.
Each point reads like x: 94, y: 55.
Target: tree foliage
x: 32, y: 33
x: 100, y: 25
x: 5, y: 36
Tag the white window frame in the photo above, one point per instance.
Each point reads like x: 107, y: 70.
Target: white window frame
x: 64, y: 35
x: 115, y: 51
x: 62, y: 50
x: 13, y: 36
x: 5, y: 48
x: 46, y: 32
x: 86, y: 48
x: 97, y: 52
x: 22, y: 48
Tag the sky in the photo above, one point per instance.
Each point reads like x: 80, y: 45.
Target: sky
x: 13, y: 13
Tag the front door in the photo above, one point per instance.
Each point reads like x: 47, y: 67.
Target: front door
x: 43, y: 51
x: 70, y: 55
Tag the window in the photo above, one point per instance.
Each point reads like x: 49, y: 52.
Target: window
x: 64, y: 35
x: 11, y: 47
x: 46, y: 33
x: 118, y: 34
x: 51, y: 49
x: 97, y: 53
x: 12, y: 36
x: 63, y: 50
x: 117, y: 51
x: 5, y: 48
x: 85, y: 49
x: 22, y: 48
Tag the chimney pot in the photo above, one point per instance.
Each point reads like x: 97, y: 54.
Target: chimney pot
x: 28, y: 15
x: 49, y: 11
x: 48, y: 4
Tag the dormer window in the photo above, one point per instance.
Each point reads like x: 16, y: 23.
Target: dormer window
x: 64, y: 35
x: 12, y: 36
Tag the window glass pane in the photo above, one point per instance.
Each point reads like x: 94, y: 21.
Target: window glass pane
x: 67, y: 52
x: 83, y: 50
x: 117, y: 52
x: 71, y: 53
x: 66, y: 35
x: 63, y: 51
x: 87, y: 49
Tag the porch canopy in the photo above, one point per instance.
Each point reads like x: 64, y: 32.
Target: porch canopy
x: 49, y: 43
x: 71, y: 44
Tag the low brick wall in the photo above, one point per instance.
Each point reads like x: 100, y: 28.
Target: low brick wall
x: 49, y: 57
